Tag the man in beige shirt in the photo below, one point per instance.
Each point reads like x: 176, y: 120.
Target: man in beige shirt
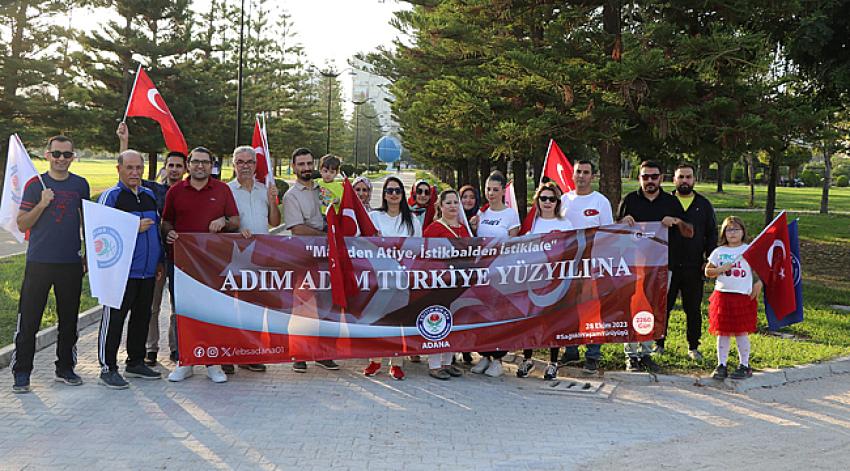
x: 302, y: 213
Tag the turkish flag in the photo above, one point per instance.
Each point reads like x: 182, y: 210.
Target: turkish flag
x: 769, y: 255
x: 260, y: 143
x: 557, y: 168
x: 510, y: 201
x: 353, y: 218
x: 339, y: 263
x: 145, y: 101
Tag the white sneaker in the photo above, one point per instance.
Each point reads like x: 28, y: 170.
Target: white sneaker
x: 216, y: 374
x: 482, y: 365
x: 695, y: 355
x: 180, y: 373
x: 495, y: 369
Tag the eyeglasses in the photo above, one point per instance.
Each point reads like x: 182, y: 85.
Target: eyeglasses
x: 547, y: 199
x: 392, y: 191
x: 200, y: 162
x: 59, y: 154
x: 734, y: 229
x: 423, y: 191
x: 242, y: 163
x: 650, y: 176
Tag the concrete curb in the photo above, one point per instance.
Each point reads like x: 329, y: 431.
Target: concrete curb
x: 780, y: 377
x: 48, y: 336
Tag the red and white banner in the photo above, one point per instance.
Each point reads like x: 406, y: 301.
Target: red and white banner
x: 260, y: 143
x: 268, y: 299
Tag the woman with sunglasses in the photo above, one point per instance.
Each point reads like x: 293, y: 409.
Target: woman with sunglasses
x: 363, y: 189
x: 393, y: 219
x: 448, y: 225
x: 422, y: 202
x: 498, y: 221
x: 547, y: 200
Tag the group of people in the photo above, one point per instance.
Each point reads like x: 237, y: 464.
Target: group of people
x: 52, y: 214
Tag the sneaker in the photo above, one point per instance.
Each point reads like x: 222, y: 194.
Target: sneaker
x: 495, y: 369
x: 255, y: 367
x: 742, y: 372
x: 113, y: 380
x: 150, y: 358
x: 328, y: 364
x: 453, y: 371
x: 650, y: 365
x: 228, y: 369
x: 482, y: 366
x: 659, y: 348
x: 68, y: 377
x: 525, y: 368
x: 396, y: 373
x: 415, y: 359
x: 551, y: 372
x: 180, y: 373
x: 141, y: 371
x: 695, y: 355
x: 216, y: 374
x: 173, y: 356
x: 467, y: 359
x: 720, y: 373
x: 22, y: 383
x: 570, y: 356
x: 373, y: 368
x: 440, y: 374
x: 633, y: 364
x: 299, y: 366
x: 591, y: 366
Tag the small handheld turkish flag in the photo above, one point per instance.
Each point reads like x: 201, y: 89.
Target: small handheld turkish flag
x: 145, y: 101
x: 557, y: 168
x: 769, y: 255
x: 260, y: 143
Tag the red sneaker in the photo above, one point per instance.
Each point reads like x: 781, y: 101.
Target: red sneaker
x: 373, y: 368
x: 396, y: 373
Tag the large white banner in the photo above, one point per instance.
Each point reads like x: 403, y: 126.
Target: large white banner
x: 19, y: 170
x: 110, y: 242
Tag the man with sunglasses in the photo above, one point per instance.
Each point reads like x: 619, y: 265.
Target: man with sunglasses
x: 52, y: 214
x: 197, y: 204
x: 650, y: 203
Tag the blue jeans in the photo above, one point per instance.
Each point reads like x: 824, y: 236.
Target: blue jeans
x: 594, y: 351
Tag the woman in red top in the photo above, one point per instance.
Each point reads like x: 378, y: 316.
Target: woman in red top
x: 447, y: 225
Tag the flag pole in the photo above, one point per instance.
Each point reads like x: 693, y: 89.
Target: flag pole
x: 21, y: 143
x: 132, y: 91
x: 545, y: 161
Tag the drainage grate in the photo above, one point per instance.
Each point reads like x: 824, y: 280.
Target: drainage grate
x: 578, y: 387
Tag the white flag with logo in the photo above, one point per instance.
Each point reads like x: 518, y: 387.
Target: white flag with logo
x: 19, y: 170
x: 110, y: 242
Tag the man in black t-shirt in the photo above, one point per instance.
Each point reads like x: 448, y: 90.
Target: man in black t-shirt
x: 51, y: 209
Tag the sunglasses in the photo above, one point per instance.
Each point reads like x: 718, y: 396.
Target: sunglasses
x: 200, y: 162
x: 650, y: 176
x: 392, y: 191
x: 59, y: 154
x: 547, y: 199
x: 423, y: 191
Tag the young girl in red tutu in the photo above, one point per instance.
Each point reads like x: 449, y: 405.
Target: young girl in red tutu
x: 733, y: 305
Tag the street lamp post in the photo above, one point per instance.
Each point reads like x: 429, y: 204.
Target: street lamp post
x: 330, y: 75
x: 239, y: 78
x: 357, y: 104
x: 369, y: 158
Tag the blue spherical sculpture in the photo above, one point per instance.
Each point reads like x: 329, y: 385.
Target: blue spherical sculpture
x: 388, y: 149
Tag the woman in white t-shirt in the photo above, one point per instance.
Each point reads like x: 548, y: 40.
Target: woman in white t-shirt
x: 549, y: 218
x: 393, y: 219
x: 732, y: 305
x: 495, y: 220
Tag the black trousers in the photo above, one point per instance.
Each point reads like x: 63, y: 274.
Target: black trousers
x: 137, y: 302
x: 66, y: 279
x: 688, y: 282
x: 493, y: 355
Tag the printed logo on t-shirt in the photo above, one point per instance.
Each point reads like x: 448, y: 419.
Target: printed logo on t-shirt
x: 591, y: 212
x: 491, y: 222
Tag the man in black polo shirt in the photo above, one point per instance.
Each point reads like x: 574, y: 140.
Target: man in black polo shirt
x: 688, y: 257
x: 650, y: 204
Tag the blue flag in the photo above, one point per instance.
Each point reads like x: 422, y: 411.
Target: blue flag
x: 797, y: 316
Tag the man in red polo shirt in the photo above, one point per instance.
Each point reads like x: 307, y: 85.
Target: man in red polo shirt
x: 197, y: 204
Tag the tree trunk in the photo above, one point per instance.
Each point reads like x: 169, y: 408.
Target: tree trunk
x: 827, y: 178
x: 720, y: 174
x: 483, y: 172
x: 472, y: 171
x: 770, y: 204
x: 610, y: 183
x: 520, y: 186
x: 502, y: 165
x: 751, y: 165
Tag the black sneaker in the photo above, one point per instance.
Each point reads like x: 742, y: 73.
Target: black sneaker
x: 467, y: 359
x: 113, y: 380
x: 328, y: 364
x: 551, y: 372
x: 173, y: 356
x: 742, y: 372
x: 633, y: 364
x: 228, y: 369
x: 150, y: 358
x: 650, y: 365
x: 570, y: 356
x: 22, y: 383
x: 299, y: 367
x: 591, y: 365
x: 255, y: 367
x: 68, y: 377
x: 141, y: 371
x: 720, y: 373
x: 525, y: 368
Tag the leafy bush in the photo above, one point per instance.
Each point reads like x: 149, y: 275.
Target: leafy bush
x: 281, y: 185
x: 347, y: 169
x: 759, y: 177
x: 810, y: 178
x: 738, y: 175
x: 842, y: 181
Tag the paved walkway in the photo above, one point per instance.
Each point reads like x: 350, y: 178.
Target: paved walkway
x: 342, y: 420
x: 9, y: 245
